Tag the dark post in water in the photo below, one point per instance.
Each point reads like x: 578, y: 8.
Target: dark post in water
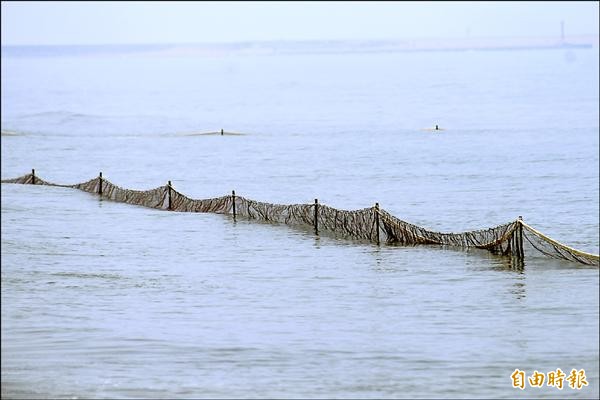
x: 169, y: 191
x: 514, y: 251
x: 233, y: 201
x: 316, y: 216
x: 100, y: 184
x: 520, y: 230
x: 33, y: 176
x: 377, y: 221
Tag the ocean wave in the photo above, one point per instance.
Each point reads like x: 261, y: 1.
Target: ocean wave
x: 60, y: 114
x: 116, y: 134
x: 66, y: 123
x: 87, y: 275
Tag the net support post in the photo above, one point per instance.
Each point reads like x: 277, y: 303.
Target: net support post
x: 33, y: 176
x: 520, y: 237
x: 317, y: 217
x: 100, y: 184
x: 377, y: 223
x: 169, y: 205
x: 233, y: 202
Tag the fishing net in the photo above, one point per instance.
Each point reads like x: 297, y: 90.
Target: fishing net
x: 552, y: 248
x: 180, y: 202
x: 358, y: 224
x: 292, y: 214
x: 369, y: 224
x: 500, y: 239
x: 29, y: 179
x: 154, y: 198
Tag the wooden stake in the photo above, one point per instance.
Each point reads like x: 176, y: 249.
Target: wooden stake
x: 100, y: 184
x: 513, y: 244
x: 233, y: 200
x: 377, y: 221
x: 169, y: 189
x: 521, y: 252
x: 316, y: 216
x: 33, y: 176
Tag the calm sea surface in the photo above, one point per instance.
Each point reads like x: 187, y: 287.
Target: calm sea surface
x: 101, y: 299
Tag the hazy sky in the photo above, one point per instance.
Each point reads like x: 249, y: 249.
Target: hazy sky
x: 187, y: 22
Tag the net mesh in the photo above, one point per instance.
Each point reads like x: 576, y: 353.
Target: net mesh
x: 554, y: 249
x: 500, y: 239
x: 154, y: 198
x: 292, y: 214
x: 180, y: 202
x: 358, y: 224
x: 369, y: 224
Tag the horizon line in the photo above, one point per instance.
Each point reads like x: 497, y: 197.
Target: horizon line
x: 338, y: 40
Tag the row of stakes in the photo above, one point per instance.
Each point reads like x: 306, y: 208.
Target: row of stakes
x: 517, y: 240
x: 169, y: 187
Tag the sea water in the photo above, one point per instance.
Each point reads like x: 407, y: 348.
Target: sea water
x: 101, y: 299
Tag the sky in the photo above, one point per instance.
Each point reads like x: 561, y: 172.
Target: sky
x: 84, y: 23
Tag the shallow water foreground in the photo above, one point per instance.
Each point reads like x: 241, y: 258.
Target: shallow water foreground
x: 194, y: 305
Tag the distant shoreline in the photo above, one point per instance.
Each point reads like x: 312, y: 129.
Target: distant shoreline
x: 313, y: 47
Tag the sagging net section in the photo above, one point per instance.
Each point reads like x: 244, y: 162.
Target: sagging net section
x: 554, y: 249
x: 500, y: 240
x: 290, y: 214
x: 29, y: 179
x: 154, y: 198
x: 369, y: 224
x: 182, y: 203
x: 358, y: 224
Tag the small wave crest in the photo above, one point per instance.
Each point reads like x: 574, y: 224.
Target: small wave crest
x: 60, y: 116
x: 217, y: 133
x: 87, y: 275
x: 59, y: 113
